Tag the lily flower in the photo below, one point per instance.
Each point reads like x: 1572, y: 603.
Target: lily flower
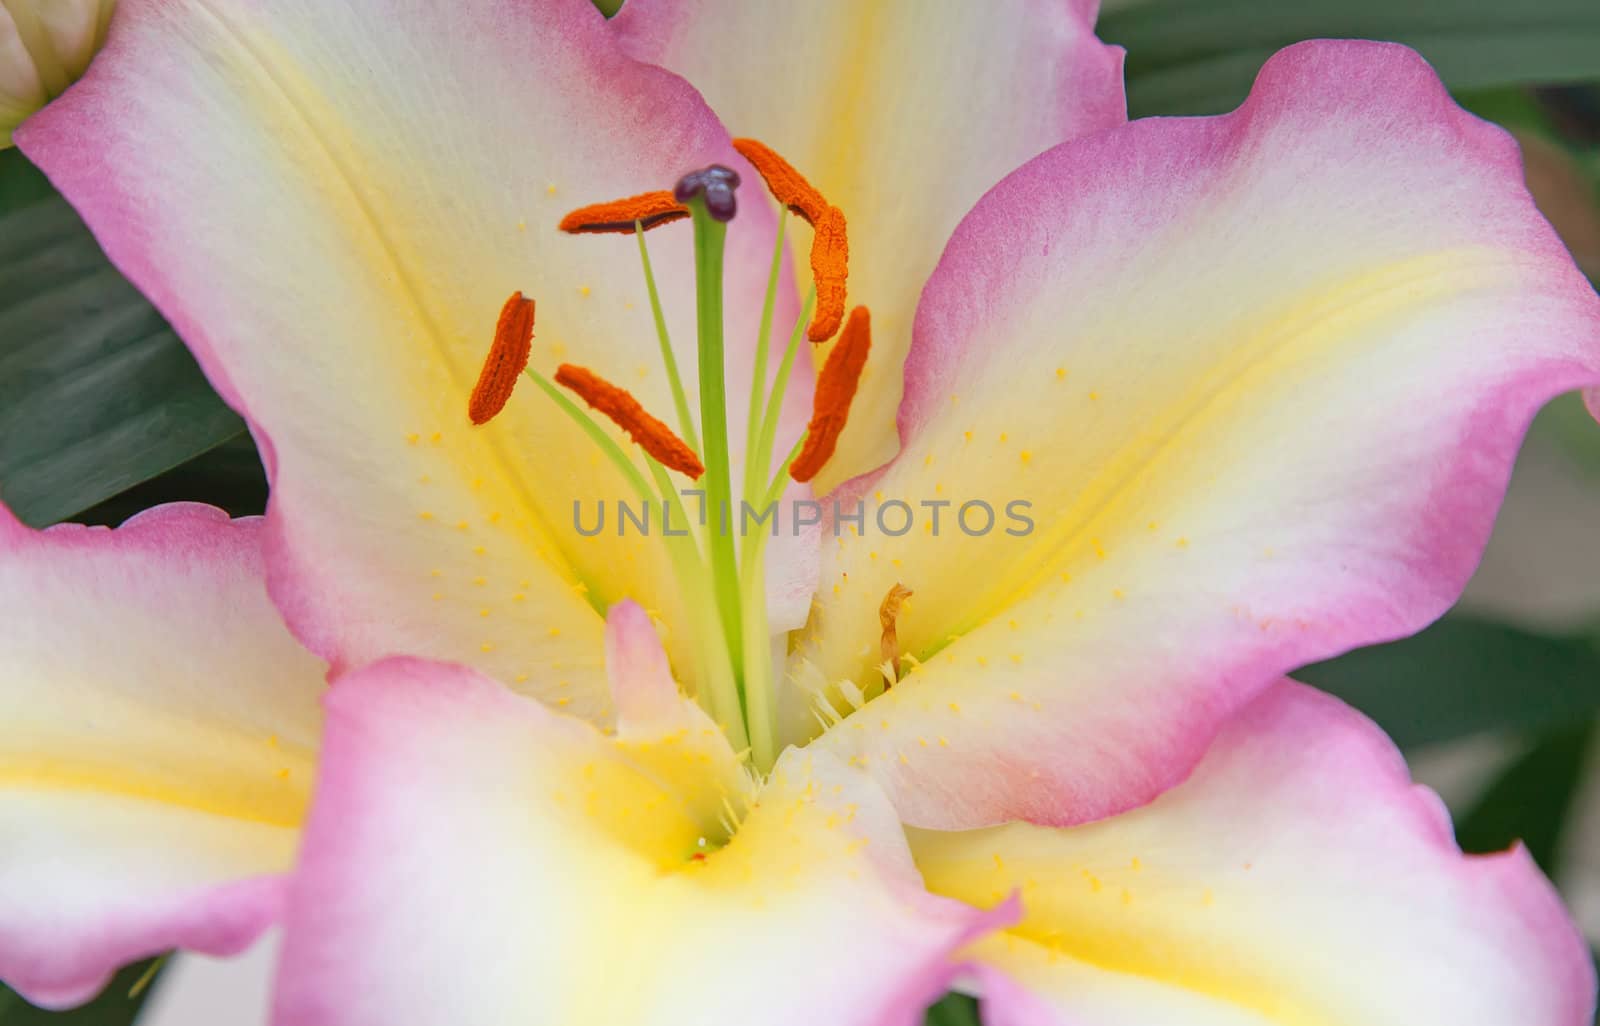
x: 1256, y: 382
x: 44, y: 46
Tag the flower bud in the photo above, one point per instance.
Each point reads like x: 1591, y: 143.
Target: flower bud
x: 44, y: 46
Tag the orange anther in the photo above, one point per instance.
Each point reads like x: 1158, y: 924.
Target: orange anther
x: 624, y: 410
x: 888, y: 619
x: 508, y: 357
x: 830, y: 247
x: 836, y: 388
x: 648, y: 210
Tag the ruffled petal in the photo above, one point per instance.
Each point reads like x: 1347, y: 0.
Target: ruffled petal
x: 157, y: 747
x: 1298, y: 877
x: 473, y: 858
x: 899, y: 114
x: 331, y: 202
x: 1255, y: 382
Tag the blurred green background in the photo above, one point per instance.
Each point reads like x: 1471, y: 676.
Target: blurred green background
x: 103, y: 413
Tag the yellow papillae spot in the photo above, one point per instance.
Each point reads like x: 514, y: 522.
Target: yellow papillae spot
x: 1183, y: 543
x: 1012, y: 624
x: 1061, y: 373
x: 550, y: 190
x: 944, y: 742
x: 1118, y: 594
x: 413, y: 438
x: 922, y: 741
x: 1025, y: 455
x: 521, y: 678
x: 836, y: 589
x: 1153, y: 526
x: 955, y: 708
x: 983, y: 660
x: 436, y: 573
x: 1208, y: 898
x: 272, y: 741
x: 1134, y: 864
x: 555, y: 632
x: 927, y: 461
x: 999, y: 863
x: 903, y: 760
x: 967, y: 434
x: 480, y: 581
x: 1127, y: 896
x: 1094, y: 396
x: 479, y: 550
x: 1016, y: 657
x: 494, y: 517
x: 487, y: 646
x: 436, y: 437
x: 954, y: 399
x: 484, y: 611
x: 872, y: 556
x: 462, y: 525
x: 563, y: 700
x: 518, y: 597
x: 1016, y: 696
x: 1003, y: 436
x: 522, y: 226
x: 424, y: 479
x: 584, y: 290
x: 425, y: 515
x: 283, y: 774
x: 438, y: 596
x: 878, y: 496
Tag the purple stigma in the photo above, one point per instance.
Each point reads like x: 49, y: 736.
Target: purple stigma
x: 717, y: 184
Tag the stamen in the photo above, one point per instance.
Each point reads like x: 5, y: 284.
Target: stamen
x: 615, y: 402
x: 888, y: 617
x: 647, y: 210
x: 508, y: 355
x: 836, y: 389
x: 830, y: 246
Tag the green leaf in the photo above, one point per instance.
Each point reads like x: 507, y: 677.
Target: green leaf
x: 96, y: 392
x: 229, y: 476
x: 953, y: 1010
x: 114, y: 1006
x: 1466, y: 676
x: 1530, y: 799
x: 1200, y: 56
x: 21, y: 184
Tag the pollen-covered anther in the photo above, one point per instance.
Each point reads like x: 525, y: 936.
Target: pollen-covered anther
x: 508, y: 357
x: 888, y: 620
x: 836, y: 389
x: 646, y: 210
x: 830, y: 244
x: 624, y: 410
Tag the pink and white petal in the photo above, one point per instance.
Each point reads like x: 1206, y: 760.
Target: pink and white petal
x: 157, y: 748
x: 1261, y: 378
x: 532, y: 859
x: 896, y: 112
x: 331, y: 202
x: 1297, y: 877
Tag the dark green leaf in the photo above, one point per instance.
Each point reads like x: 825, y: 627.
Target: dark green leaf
x: 96, y: 392
x: 114, y: 1007
x: 953, y: 1010
x: 21, y: 184
x: 1529, y: 801
x: 1465, y: 676
x: 229, y: 476
x: 1200, y: 56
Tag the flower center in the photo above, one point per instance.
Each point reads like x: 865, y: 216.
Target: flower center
x: 722, y: 577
